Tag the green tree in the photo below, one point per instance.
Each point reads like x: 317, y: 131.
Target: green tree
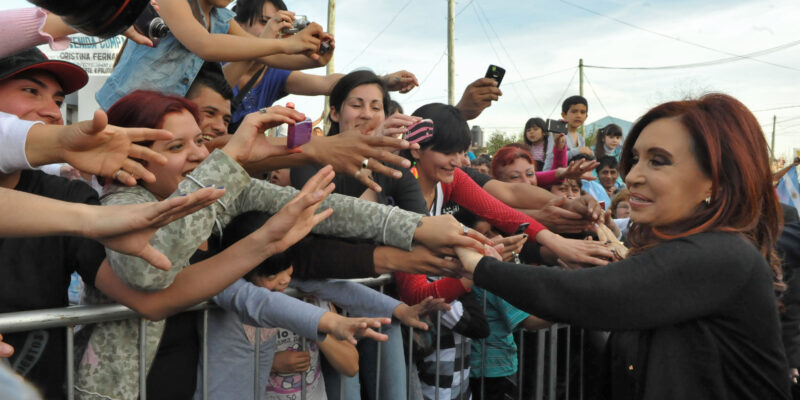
x: 499, y: 139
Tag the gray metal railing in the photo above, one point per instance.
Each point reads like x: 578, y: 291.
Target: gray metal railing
x: 70, y: 317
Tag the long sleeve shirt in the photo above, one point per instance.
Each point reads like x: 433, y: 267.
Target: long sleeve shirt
x: 693, y: 318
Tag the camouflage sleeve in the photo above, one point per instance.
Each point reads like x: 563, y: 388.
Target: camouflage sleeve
x: 352, y: 217
x: 181, y: 238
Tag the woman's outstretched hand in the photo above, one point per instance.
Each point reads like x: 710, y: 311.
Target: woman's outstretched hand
x: 443, y: 232
x: 296, y: 219
x: 128, y: 228
x: 249, y: 144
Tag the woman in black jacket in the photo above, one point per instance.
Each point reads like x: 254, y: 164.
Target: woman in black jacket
x: 692, y: 309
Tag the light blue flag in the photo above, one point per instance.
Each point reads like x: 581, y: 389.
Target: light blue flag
x: 788, y: 192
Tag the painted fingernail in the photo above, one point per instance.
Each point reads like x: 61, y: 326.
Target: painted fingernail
x: 220, y: 187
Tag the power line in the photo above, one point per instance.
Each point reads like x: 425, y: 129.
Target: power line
x: 565, y: 92
x: 595, y: 94
x: 710, y: 62
x: 378, y: 35
x: 776, y: 108
x: 539, y: 76
x: 464, y: 8
x: 428, y: 75
x: 513, y: 64
x: 674, y: 38
x: 489, y: 40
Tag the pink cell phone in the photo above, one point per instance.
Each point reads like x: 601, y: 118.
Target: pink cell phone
x: 299, y: 134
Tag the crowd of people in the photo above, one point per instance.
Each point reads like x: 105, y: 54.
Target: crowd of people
x: 667, y: 243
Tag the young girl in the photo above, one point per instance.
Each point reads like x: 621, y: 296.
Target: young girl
x: 536, y: 138
x: 199, y: 30
x: 608, y: 141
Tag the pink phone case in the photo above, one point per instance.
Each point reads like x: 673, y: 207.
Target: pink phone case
x: 299, y: 134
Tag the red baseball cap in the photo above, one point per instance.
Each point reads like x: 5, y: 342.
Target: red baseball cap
x: 71, y: 77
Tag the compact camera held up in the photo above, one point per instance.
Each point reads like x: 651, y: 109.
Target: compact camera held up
x: 151, y: 25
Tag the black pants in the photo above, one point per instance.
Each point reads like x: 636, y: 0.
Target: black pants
x: 493, y: 388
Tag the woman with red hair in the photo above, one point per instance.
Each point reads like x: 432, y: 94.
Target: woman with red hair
x: 513, y: 163
x: 692, y: 310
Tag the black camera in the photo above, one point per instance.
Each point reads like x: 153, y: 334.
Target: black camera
x: 151, y: 25
x: 556, y: 126
x: 300, y: 22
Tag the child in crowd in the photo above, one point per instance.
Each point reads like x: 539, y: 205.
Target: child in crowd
x: 608, y: 174
x: 574, y: 110
x: 621, y: 206
x: 608, y: 142
x: 569, y: 188
x: 537, y: 139
x: 482, y: 163
x: 295, y: 360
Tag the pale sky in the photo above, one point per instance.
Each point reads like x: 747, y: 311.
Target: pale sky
x: 539, y: 43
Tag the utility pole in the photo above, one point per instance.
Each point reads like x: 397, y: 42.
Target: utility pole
x: 772, y: 142
x: 581, y: 130
x: 329, y: 68
x: 451, y: 61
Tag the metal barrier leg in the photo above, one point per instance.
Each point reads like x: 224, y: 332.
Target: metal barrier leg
x: 70, y: 362
x: 521, y: 362
x: 438, y: 348
x: 551, y: 387
x: 303, y: 347
x: 142, y: 360
x: 461, y: 371
x: 378, y: 364
x: 580, y: 367
x: 540, y: 349
x: 410, y: 361
x: 566, y: 362
x: 205, y: 354
x: 483, y: 352
x: 257, y: 365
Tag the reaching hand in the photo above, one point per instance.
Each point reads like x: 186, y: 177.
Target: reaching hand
x: 396, y: 125
x: 409, y: 315
x: 511, y: 245
x: 574, y: 251
x: 420, y: 260
x: 306, y: 41
x: 249, y: 144
x: 101, y: 149
x: 5, y: 349
x: 478, y: 96
x: 347, y: 150
x: 586, y: 206
x: 281, y: 20
x: 348, y: 329
x: 559, y: 141
x: 557, y: 218
x: 402, y: 81
x: 128, y: 228
x: 296, y: 219
x: 443, y: 232
x: 578, y: 169
x: 290, y: 362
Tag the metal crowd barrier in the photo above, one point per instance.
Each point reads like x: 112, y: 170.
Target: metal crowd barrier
x: 70, y: 317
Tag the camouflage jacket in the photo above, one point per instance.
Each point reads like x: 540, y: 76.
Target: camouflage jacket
x: 109, y: 366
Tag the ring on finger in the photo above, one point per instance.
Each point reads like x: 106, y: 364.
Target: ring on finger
x: 263, y: 110
x: 116, y: 175
x: 357, y: 174
x: 365, y: 163
x: 466, y: 230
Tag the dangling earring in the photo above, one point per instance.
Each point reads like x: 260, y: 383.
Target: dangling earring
x: 413, y: 169
x: 707, y: 200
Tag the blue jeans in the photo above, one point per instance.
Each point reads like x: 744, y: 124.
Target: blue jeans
x: 392, y: 370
